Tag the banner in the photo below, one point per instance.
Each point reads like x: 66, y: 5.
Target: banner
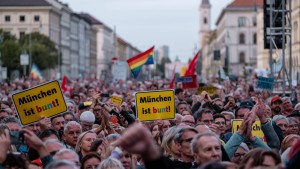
x: 265, y: 83
x: 188, y: 82
x: 43, y: 100
x: 209, y: 89
x: 256, y: 128
x: 154, y: 105
x: 119, y: 70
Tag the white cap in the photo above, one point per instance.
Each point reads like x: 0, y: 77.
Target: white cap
x: 87, y: 116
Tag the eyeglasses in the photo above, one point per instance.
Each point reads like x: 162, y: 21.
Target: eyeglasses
x: 220, y: 122
x: 189, y: 140
x: 239, y: 155
x: 293, y: 126
x: 189, y: 122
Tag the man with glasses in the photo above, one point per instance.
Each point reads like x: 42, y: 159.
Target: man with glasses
x: 188, y: 120
x: 183, y: 140
x: 220, y: 120
x: 204, y: 116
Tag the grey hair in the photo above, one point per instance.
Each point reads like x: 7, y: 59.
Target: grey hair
x: 244, y: 146
x: 61, y: 163
x: 110, y: 163
x: 228, y: 113
x: 181, y: 131
x: 194, y: 144
x: 63, y: 151
x: 70, y: 123
x: 279, y: 117
x: 49, y: 141
x: 286, y: 98
x: 292, y: 119
x: 113, y: 136
x: 10, y: 119
x: 297, y: 106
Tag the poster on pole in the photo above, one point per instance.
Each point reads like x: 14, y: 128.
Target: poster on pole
x: 265, y: 83
x: 43, y: 100
x: 154, y: 105
x: 119, y: 70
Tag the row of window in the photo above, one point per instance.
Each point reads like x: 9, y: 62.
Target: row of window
x: 22, y: 18
x: 242, y: 38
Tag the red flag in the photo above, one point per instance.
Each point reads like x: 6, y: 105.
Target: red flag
x: 192, y: 66
x: 173, y: 78
x: 64, y: 85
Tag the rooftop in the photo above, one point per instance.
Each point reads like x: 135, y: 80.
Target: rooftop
x: 245, y: 3
x: 24, y: 3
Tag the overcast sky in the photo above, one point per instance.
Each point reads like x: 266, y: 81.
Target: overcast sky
x: 144, y: 23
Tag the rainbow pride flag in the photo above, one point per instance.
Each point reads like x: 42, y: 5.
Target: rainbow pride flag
x: 136, y: 63
x: 35, y: 72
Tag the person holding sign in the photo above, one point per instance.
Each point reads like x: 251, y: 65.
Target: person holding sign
x: 244, y: 132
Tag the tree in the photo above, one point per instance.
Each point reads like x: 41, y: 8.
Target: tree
x: 43, y: 51
x: 10, y: 52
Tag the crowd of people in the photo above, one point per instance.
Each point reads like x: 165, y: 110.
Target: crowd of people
x: 96, y: 133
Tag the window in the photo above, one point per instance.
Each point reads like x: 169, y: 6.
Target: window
x: 242, y: 21
x: 254, y: 38
x: 242, y: 57
x: 205, y: 20
x: 22, y: 34
x: 7, y: 18
x: 22, y: 18
x: 36, y: 18
x: 242, y: 38
x: 254, y: 20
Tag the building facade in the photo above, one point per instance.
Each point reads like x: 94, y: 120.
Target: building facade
x: 237, y: 36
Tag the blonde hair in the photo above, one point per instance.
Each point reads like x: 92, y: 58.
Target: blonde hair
x: 167, y: 140
x: 287, y: 142
x: 78, y: 144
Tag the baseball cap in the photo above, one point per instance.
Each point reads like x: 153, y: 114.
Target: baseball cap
x: 276, y: 98
x: 245, y: 104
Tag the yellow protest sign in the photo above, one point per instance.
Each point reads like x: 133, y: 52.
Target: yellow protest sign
x: 117, y: 100
x: 155, y: 105
x: 209, y: 89
x: 256, y: 128
x: 43, y: 100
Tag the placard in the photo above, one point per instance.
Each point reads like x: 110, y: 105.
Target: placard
x: 43, y: 100
x: 265, y: 83
x: 209, y: 89
x: 256, y: 128
x: 154, y: 105
x: 117, y: 100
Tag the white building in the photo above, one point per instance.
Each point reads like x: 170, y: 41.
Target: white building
x: 105, y: 46
x: 237, y: 36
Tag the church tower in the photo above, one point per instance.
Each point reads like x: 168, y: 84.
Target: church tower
x: 204, y: 31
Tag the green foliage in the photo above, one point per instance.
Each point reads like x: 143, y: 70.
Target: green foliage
x: 10, y: 55
x: 43, y: 51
